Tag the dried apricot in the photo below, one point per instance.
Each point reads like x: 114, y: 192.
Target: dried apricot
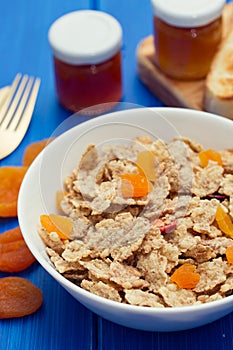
x: 10, y: 181
x: 209, y: 154
x: 14, y: 253
x: 134, y: 185
x: 19, y: 297
x: 185, y: 277
x: 12, y: 235
x: 146, y: 164
x: 224, y: 221
x: 32, y: 151
x: 62, y: 225
x: 229, y: 254
x: 59, y: 197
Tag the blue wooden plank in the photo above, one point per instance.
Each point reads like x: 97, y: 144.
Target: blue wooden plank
x: 62, y: 322
x: 135, y: 17
x: 215, y: 336
x: 24, y: 48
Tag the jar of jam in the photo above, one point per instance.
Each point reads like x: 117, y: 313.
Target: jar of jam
x: 86, y: 48
x: 186, y: 36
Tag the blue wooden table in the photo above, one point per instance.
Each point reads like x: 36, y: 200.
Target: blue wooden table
x: 63, y: 323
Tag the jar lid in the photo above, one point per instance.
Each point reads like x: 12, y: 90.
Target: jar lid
x: 188, y: 13
x: 85, y: 37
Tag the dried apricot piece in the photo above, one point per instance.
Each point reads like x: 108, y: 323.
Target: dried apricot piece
x: 229, y: 254
x: 146, y: 164
x: 62, y: 225
x: 15, y: 256
x: 19, y: 297
x: 59, y: 197
x: 11, y: 178
x: 185, y: 277
x: 134, y: 185
x: 12, y: 235
x: 32, y: 151
x: 224, y: 221
x: 14, y: 253
x: 209, y: 154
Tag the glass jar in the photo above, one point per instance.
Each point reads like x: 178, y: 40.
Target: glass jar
x: 186, y: 36
x: 86, y: 49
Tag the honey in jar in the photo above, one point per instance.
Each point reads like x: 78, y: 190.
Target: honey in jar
x: 186, y: 36
x: 86, y: 49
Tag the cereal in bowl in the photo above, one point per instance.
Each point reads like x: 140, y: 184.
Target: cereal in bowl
x: 148, y: 223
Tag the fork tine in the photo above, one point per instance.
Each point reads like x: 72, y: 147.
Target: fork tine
x: 6, y: 104
x: 12, y: 108
x: 25, y: 111
x: 18, y: 112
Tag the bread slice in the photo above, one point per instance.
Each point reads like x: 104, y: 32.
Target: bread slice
x: 218, y: 90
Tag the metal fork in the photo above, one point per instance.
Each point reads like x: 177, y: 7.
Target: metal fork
x: 16, y: 112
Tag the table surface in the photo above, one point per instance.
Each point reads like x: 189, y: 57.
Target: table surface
x: 62, y: 322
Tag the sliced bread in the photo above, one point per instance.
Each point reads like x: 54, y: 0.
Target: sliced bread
x: 218, y: 90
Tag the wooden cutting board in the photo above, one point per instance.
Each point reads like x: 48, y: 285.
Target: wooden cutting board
x: 176, y: 93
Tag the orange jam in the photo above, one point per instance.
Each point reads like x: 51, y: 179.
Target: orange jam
x: 86, y: 86
x: 86, y: 49
x: 186, y: 37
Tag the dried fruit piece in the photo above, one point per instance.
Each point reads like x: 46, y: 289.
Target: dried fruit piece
x: 185, y: 277
x: 14, y: 253
x: 224, y: 221
x: 32, y: 151
x: 229, y: 254
x: 19, y: 297
x: 10, y: 181
x: 15, y: 257
x: 134, y: 185
x: 12, y: 235
x: 220, y: 197
x: 146, y: 164
x: 209, y: 154
x: 164, y: 228
x: 59, y: 197
x: 62, y: 225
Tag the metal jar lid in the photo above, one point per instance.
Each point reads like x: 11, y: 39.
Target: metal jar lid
x: 85, y: 37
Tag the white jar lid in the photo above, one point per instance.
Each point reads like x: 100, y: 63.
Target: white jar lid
x: 188, y: 13
x: 85, y: 37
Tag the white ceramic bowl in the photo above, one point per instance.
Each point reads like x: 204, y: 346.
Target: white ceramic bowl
x: 47, y: 172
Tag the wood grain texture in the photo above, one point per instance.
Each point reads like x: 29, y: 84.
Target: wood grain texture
x: 171, y: 92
